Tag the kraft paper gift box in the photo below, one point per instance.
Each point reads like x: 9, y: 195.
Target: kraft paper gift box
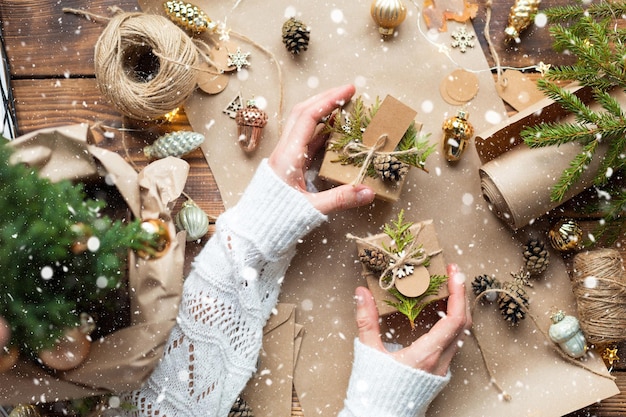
x: 424, y: 234
x: 391, y: 120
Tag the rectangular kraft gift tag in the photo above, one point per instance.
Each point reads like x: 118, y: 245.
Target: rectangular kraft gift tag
x: 426, y: 236
x: 392, y: 119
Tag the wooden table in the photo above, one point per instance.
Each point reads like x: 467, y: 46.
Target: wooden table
x: 52, y: 77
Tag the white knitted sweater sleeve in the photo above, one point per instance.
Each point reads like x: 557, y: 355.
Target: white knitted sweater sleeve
x: 227, y: 298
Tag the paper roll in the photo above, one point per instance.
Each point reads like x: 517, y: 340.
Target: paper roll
x: 517, y: 184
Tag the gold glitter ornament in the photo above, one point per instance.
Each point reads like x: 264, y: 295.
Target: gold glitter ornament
x: 25, y: 410
x: 250, y: 122
x: 520, y: 17
x: 388, y: 15
x: 566, y: 235
x: 457, y: 133
x: 188, y: 16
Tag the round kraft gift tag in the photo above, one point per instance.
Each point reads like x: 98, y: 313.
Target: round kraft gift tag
x: 209, y: 81
x: 220, y: 55
x: 415, y: 284
x: 459, y: 87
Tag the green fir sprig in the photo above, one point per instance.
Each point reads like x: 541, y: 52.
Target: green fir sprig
x: 399, y: 231
x: 51, y: 271
x: 411, y: 307
x: 348, y: 128
x: 590, y: 35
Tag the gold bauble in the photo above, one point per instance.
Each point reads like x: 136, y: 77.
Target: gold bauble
x: 25, y: 410
x: 566, y: 235
x: 520, y: 17
x: 388, y: 15
x: 457, y: 133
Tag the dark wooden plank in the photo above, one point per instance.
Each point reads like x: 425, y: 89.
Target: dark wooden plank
x: 535, y: 45
x: 42, y: 41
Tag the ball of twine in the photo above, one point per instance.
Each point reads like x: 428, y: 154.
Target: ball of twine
x: 144, y: 65
x: 599, y: 285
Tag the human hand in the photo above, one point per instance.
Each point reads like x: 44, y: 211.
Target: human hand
x: 299, y: 143
x: 433, y: 351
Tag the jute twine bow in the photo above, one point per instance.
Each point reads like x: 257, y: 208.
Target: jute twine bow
x: 506, y: 396
x: 355, y: 150
x: 599, y: 285
x: 411, y: 256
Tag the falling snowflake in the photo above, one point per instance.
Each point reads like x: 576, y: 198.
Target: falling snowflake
x: 238, y: 59
x: 462, y: 39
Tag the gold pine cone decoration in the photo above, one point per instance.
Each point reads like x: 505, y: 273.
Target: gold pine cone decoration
x: 188, y: 16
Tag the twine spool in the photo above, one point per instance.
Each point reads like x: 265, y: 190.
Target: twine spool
x: 599, y: 285
x: 144, y: 65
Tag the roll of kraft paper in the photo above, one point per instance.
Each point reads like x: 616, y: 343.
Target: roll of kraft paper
x: 517, y: 184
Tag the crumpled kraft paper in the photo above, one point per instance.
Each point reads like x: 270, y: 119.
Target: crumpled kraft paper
x: 345, y: 47
x: 122, y: 360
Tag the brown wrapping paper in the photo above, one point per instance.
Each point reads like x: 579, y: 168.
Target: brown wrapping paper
x: 427, y: 237
x: 517, y: 183
x: 345, y: 47
x: 122, y: 360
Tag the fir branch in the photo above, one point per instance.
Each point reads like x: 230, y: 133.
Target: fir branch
x: 568, y: 100
x: 577, y: 166
x: 399, y: 232
x: 411, y: 307
x: 597, y: 10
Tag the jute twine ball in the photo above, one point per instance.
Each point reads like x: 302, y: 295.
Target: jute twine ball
x: 144, y: 65
x: 599, y: 284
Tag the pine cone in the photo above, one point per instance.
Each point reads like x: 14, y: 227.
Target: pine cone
x: 536, y: 257
x: 483, y: 283
x: 240, y: 409
x: 373, y: 259
x: 390, y: 168
x: 295, y: 36
x: 510, y: 306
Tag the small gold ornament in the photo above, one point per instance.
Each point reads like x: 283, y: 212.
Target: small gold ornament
x: 457, y: 133
x: 174, y: 144
x: 388, y: 15
x: 566, y: 235
x: 250, y: 122
x: 193, y: 220
x: 566, y: 332
x: 520, y: 17
x: 25, y: 410
x: 8, y: 358
x: 158, y: 228
x: 188, y: 16
x: 610, y: 355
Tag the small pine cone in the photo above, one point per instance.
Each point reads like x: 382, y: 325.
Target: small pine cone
x: 240, y: 409
x: 390, y: 168
x: 295, y: 36
x: 509, y: 306
x: 536, y: 257
x: 483, y: 283
x: 373, y: 259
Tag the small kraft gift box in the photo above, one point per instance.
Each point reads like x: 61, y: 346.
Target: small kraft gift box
x: 375, y: 146
x: 404, y: 267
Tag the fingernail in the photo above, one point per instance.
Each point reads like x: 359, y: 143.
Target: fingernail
x: 364, y: 196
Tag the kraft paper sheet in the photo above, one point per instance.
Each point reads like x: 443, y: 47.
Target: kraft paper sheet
x: 345, y: 48
x: 122, y: 360
x: 518, y: 182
